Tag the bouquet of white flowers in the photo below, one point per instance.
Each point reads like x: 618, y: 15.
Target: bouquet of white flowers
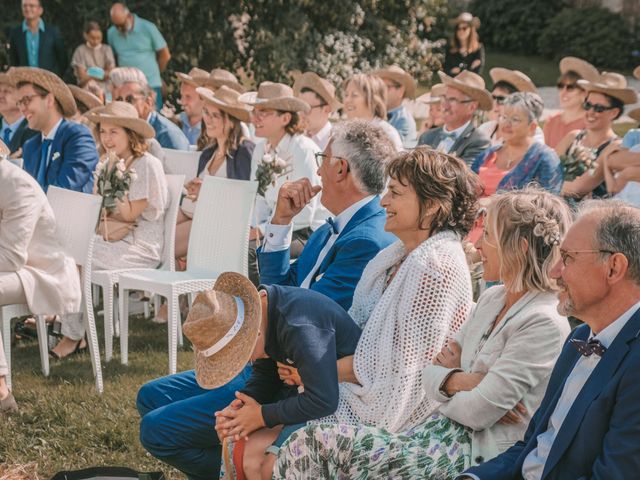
x: 270, y: 168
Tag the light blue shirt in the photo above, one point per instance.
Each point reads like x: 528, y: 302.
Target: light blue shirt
x: 631, y: 138
x: 405, y: 124
x: 138, y: 47
x: 192, y: 132
x: 33, y: 42
x: 12, y: 128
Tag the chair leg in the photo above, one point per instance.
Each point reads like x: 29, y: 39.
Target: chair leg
x: 108, y: 322
x: 5, y: 325
x: 156, y: 304
x: 116, y: 312
x: 43, y: 343
x: 124, y: 325
x: 94, y: 347
x: 96, y: 295
x: 173, y: 314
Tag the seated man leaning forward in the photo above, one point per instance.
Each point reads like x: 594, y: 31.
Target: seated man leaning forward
x: 588, y: 425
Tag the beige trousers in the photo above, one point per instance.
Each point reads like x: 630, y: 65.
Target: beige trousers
x: 11, y: 292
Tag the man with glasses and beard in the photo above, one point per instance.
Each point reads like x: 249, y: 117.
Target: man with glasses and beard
x: 14, y: 130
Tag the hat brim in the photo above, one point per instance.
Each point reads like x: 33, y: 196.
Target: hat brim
x: 302, y: 81
x: 480, y: 95
x: 636, y: 72
x: 475, y: 21
x: 88, y: 99
x: 135, y: 124
x: 48, y: 81
x: 284, y: 104
x: 634, y: 114
x: 5, y: 79
x: 429, y: 99
x: 219, y: 369
x: 581, y: 67
x: 626, y: 95
x: 216, y: 83
x: 242, y: 114
x: 499, y: 74
x: 403, y: 79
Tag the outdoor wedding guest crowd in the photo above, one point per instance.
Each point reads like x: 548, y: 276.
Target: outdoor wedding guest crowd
x: 404, y: 293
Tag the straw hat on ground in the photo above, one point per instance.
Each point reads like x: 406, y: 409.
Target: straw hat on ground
x: 85, y: 97
x: 323, y: 88
x: 4, y: 150
x: 226, y: 100
x: 579, y: 66
x: 434, y: 95
x: 398, y: 75
x: 466, y: 17
x: 223, y: 337
x: 195, y: 77
x: 519, y: 80
x: 612, y: 84
x: 470, y: 84
x: 275, y: 96
x: 124, y: 115
x: 219, y: 77
x: 48, y: 81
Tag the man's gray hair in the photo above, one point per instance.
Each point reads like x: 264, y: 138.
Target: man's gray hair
x: 530, y: 103
x: 367, y: 149
x: 121, y: 75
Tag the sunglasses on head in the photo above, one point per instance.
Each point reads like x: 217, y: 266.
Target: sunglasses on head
x: 499, y: 99
x: 598, y: 108
x: 569, y: 86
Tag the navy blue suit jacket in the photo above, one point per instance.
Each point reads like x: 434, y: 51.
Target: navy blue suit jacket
x: 77, y: 156
x: 20, y: 136
x: 52, y: 55
x: 360, y: 240
x: 238, y: 160
x: 600, y: 438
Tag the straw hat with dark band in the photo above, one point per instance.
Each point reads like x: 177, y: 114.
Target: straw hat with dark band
x: 123, y: 115
x: 88, y: 99
x: 398, y: 75
x: 434, y: 95
x: 223, y: 325
x: 612, y: 84
x: 226, y: 100
x: 275, y: 96
x: 466, y: 17
x: 519, y: 80
x: 196, y: 77
x: 49, y: 82
x: 219, y: 77
x: 579, y: 66
x: 472, y: 85
x: 319, y: 85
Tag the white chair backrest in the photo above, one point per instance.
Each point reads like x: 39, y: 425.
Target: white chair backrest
x: 18, y: 162
x: 219, y: 239
x: 76, y: 219
x: 174, y: 184
x: 181, y: 162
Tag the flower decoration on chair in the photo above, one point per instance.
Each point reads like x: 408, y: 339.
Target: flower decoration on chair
x: 270, y: 168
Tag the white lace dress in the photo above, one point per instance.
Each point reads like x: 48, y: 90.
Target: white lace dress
x: 141, y: 248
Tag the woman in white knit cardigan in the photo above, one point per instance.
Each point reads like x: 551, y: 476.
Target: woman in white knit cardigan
x: 490, y: 378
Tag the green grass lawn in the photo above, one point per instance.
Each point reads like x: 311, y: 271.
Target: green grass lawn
x: 543, y: 72
x: 64, y: 424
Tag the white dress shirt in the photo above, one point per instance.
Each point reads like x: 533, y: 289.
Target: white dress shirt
x: 50, y: 136
x: 446, y: 143
x: 322, y: 137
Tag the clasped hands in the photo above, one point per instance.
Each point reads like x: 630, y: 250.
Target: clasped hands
x: 239, y: 419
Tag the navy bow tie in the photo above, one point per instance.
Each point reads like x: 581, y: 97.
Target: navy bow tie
x: 333, y: 225
x: 589, y: 348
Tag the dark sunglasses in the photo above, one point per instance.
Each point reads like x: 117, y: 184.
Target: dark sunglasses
x: 463, y: 27
x: 586, y: 106
x: 129, y: 98
x: 499, y: 99
x: 569, y: 86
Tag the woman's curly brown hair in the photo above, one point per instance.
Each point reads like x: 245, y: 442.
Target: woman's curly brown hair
x: 443, y: 180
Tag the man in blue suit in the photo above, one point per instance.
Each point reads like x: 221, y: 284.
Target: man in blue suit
x: 64, y: 154
x: 177, y: 414
x: 588, y: 424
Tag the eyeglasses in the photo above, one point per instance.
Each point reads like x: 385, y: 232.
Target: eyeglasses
x: 598, y: 108
x: 25, y: 101
x: 510, y: 120
x: 130, y: 98
x: 260, y: 114
x: 566, y: 255
x: 499, y: 99
x: 320, y: 158
x: 569, y: 86
x: 453, y: 101
x: 317, y: 106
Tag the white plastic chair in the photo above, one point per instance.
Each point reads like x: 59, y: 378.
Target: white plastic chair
x: 218, y: 243
x: 181, y: 162
x: 107, y: 279
x: 7, y: 312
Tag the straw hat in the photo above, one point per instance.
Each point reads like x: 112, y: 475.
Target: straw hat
x: 612, y: 84
x: 636, y: 73
x: 398, y: 75
x: 635, y: 114
x: 4, y: 150
x: 5, y: 79
x: 226, y: 100
x: 434, y: 95
x: 579, y: 66
x: 219, y: 77
x: 195, y: 77
x: 48, y: 81
x: 519, y: 80
x: 319, y: 85
x: 276, y: 96
x: 472, y: 85
x: 466, y: 17
x: 222, y: 339
x: 124, y: 115
x: 85, y: 97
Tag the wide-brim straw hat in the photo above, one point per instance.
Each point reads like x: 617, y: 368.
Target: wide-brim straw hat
x: 398, y: 75
x: 226, y: 100
x: 4, y: 150
x: 48, y: 81
x: 5, y: 79
x: 219, y: 77
x: 581, y: 67
x: 214, y: 318
x: 275, y: 96
x: 635, y: 114
x: 470, y: 84
x: 466, y: 17
x: 434, y: 95
x: 88, y: 99
x: 519, y: 80
x: 323, y: 88
x: 612, y: 84
x: 195, y: 77
x: 124, y: 115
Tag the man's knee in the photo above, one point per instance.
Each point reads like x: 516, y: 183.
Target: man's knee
x: 143, y: 400
x: 150, y: 426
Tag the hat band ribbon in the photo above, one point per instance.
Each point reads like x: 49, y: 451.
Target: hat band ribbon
x: 230, y: 335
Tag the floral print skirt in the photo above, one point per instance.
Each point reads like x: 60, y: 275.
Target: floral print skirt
x: 438, y: 449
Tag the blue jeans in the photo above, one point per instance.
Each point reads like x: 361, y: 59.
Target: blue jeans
x: 178, y: 422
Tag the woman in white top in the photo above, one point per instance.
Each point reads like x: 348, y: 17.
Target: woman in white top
x: 365, y: 97
x: 489, y: 379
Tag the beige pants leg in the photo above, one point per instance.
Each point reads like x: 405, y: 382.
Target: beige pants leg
x: 11, y: 292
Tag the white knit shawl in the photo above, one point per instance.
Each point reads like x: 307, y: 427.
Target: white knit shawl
x: 404, y: 328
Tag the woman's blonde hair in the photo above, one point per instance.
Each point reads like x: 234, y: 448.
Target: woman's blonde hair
x: 374, y: 91
x: 473, y: 42
x: 528, y: 225
x: 137, y: 142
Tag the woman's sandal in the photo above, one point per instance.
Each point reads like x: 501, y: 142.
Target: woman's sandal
x: 25, y: 328
x: 75, y: 351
